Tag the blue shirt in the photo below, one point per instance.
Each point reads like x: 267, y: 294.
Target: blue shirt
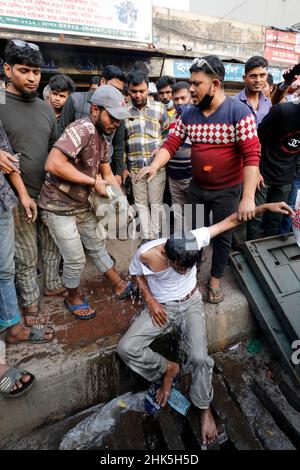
x: 8, y: 199
x: 264, y: 105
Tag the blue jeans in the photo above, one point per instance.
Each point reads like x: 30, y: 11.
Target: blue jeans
x: 9, y: 310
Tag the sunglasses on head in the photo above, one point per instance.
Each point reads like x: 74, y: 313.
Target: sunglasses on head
x: 20, y: 43
x: 201, y: 62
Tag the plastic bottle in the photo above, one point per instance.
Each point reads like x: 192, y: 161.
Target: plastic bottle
x: 179, y: 402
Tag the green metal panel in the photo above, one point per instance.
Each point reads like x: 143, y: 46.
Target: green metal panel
x: 264, y: 313
x: 276, y: 264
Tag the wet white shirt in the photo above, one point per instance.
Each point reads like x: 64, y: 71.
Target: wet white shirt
x: 168, y: 285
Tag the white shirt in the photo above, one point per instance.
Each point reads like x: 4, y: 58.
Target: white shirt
x: 168, y: 285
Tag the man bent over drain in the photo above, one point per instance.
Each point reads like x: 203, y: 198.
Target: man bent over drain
x: 165, y: 271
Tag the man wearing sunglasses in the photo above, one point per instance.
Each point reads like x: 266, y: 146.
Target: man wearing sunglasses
x: 225, y: 155
x: 30, y: 125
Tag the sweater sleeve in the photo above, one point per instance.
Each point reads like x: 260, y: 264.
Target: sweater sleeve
x: 247, y: 140
x: 175, y: 139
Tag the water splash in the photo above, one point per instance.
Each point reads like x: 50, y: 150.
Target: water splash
x: 92, y: 430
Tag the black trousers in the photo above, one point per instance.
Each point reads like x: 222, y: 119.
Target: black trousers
x: 221, y: 203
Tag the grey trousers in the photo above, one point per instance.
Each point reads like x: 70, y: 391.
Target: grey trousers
x: 189, y: 316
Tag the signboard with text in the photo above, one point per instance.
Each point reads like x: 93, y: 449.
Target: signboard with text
x: 282, y: 47
x: 233, y: 72
x: 118, y: 19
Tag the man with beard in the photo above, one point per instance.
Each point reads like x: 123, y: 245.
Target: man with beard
x: 225, y: 154
x: 31, y: 128
x: 77, y: 106
x: 73, y: 165
x: 179, y: 169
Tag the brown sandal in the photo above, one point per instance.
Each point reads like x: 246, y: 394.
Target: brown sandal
x: 38, y: 318
x: 217, y: 295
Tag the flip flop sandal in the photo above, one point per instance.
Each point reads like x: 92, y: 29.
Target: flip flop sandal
x: 36, y: 335
x: 131, y: 291
x: 215, y: 291
x: 85, y: 305
x: 9, y: 379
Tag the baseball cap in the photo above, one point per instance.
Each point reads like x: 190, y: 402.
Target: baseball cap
x: 112, y: 100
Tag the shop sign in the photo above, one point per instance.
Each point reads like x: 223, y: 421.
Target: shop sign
x: 282, y: 47
x: 233, y: 72
x: 120, y: 19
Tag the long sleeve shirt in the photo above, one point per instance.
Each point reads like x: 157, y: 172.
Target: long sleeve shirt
x: 144, y: 134
x: 222, y: 143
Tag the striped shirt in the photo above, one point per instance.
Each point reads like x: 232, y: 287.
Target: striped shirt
x: 8, y: 199
x: 144, y: 133
x: 180, y: 166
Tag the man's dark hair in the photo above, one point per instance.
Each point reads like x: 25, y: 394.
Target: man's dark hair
x: 94, y: 80
x: 164, y: 81
x: 255, y: 61
x: 183, y: 250
x: 270, y: 79
x: 62, y: 82
x: 22, y: 55
x: 111, y: 71
x: 216, y: 68
x: 180, y: 86
x: 136, y: 77
x: 140, y: 65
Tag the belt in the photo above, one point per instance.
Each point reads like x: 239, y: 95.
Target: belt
x: 187, y: 296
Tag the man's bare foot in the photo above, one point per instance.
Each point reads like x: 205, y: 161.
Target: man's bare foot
x: 54, y: 292
x: 208, y: 428
x: 163, y: 392
x: 32, y: 316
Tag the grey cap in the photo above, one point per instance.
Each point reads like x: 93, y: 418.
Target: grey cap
x: 112, y: 100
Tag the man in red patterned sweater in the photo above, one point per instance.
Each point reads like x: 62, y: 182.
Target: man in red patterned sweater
x: 225, y: 157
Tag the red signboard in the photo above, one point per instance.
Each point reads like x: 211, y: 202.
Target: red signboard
x: 282, y: 47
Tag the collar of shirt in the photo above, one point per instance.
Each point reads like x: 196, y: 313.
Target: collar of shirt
x: 264, y: 105
x: 262, y: 98
x: 147, y: 105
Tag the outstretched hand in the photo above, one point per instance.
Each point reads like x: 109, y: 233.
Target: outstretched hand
x: 281, y: 208
x: 146, y: 171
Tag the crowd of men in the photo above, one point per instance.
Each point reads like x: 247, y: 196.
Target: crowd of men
x: 234, y: 159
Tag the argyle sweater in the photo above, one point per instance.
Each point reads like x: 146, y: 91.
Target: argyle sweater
x: 222, y: 143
